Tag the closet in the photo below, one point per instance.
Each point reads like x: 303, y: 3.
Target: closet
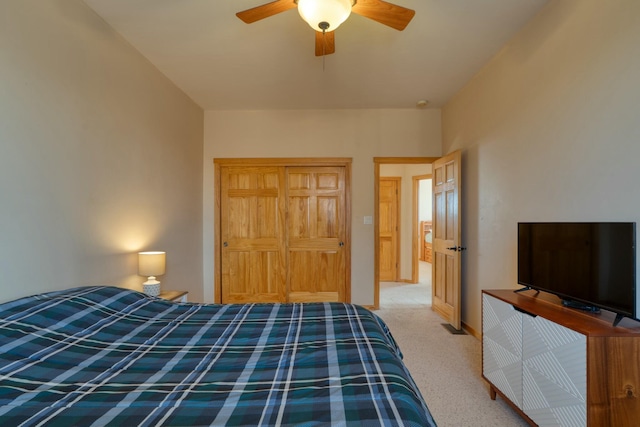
x: 282, y: 230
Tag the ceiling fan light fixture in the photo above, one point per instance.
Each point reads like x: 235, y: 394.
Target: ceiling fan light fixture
x: 324, y: 15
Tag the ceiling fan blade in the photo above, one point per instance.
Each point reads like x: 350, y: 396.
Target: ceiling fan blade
x: 266, y: 10
x: 392, y: 15
x: 325, y: 43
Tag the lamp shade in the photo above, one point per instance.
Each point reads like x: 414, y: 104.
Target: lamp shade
x: 332, y: 12
x: 151, y: 263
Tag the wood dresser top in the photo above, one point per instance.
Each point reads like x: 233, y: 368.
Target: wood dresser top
x: 550, y: 307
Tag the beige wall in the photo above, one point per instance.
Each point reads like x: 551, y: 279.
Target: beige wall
x: 425, y: 211
x: 550, y: 131
x: 406, y: 172
x: 100, y: 156
x: 358, y: 134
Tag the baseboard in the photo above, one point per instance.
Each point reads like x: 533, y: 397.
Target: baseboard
x: 471, y: 331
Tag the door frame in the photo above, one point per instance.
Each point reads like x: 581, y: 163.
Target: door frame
x: 218, y: 163
x: 377, y: 161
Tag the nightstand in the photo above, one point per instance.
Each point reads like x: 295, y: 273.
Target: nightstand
x: 176, y: 296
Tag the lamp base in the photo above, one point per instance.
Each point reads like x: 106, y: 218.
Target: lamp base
x: 151, y: 287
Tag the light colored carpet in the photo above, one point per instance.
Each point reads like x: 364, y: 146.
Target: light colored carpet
x: 447, y: 368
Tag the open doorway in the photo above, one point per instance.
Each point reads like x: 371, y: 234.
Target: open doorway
x: 413, y: 275
x: 423, y: 205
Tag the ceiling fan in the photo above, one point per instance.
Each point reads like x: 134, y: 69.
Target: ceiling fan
x: 324, y: 16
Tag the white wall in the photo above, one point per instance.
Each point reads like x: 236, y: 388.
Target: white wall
x: 550, y: 131
x: 358, y: 134
x: 425, y: 209
x: 100, y: 156
x: 406, y: 172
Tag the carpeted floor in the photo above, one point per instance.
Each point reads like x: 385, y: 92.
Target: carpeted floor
x: 446, y: 367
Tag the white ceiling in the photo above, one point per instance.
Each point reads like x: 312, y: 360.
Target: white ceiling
x: 224, y: 64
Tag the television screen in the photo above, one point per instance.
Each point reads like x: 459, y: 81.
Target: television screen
x: 590, y: 263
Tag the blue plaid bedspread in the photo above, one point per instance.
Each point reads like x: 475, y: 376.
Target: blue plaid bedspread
x: 111, y: 356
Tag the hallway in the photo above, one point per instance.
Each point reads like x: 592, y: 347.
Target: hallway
x: 400, y: 294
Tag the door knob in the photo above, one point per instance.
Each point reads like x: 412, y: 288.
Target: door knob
x: 225, y: 244
x: 454, y: 249
x: 341, y: 244
x: 457, y: 248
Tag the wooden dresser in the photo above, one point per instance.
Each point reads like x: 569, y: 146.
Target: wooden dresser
x: 560, y: 366
x: 425, y: 247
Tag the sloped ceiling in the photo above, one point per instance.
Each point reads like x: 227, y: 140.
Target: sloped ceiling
x: 224, y: 64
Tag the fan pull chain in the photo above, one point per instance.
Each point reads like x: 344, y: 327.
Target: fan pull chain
x: 324, y: 44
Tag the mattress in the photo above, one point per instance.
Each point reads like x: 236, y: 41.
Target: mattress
x: 111, y: 356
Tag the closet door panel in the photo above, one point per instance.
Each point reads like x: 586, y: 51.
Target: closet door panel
x: 252, y: 233
x: 316, y: 233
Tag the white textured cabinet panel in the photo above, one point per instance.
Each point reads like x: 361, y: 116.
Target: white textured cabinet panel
x: 502, y: 347
x: 554, y: 368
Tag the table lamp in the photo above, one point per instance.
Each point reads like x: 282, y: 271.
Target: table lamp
x: 151, y: 264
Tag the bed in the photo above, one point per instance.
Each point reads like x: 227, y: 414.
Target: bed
x: 112, y: 356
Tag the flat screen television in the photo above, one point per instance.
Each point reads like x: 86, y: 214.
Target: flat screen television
x: 589, y: 265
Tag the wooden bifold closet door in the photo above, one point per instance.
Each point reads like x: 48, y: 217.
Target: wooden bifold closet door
x: 253, y: 235
x: 283, y: 233
x: 316, y: 237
